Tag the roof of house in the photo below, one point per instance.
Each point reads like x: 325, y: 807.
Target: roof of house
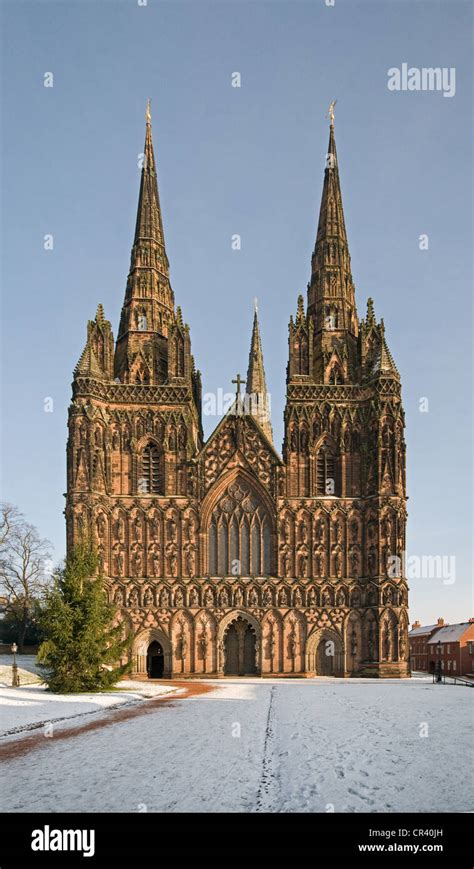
x: 422, y: 630
x: 450, y: 633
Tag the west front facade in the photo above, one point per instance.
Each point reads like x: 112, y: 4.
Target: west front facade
x: 222, y: 556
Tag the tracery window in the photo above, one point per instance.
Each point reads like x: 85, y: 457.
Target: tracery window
x: 239, y: 535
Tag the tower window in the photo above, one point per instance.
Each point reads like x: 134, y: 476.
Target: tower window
x: 326, y: 482
x: 150, y: 476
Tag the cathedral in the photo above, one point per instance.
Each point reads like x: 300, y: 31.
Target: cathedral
x: 223, y: 557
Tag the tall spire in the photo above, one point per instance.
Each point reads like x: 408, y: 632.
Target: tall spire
x: 148, y: 311
x: 331, y: 301
x: 149, y: 225
x: 256, y: 388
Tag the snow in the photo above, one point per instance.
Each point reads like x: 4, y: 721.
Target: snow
x: 254, y: 745
x: 31, y: 706
x: 27, y: 669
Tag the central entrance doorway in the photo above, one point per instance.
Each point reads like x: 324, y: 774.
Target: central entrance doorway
x: 155, y: 660
x: 240, y: 649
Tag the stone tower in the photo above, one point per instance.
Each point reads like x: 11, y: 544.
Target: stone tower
x: 221, y: 556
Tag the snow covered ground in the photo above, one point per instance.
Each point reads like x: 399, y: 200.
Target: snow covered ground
x: 31, y: 706
x: 27, y: 670
x: 251, y: 745
x: 28, y: 708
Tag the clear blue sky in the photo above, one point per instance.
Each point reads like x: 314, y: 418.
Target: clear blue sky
x: 247, y: 161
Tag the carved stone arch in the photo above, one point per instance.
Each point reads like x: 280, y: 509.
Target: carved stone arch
x: 208, y: 596
x: 353, y: 642
x: 230, y: 617
x: 237, y: 527
x: 327, y: 595
x: 326, y: 439
x: 325, y: 652
x: 298, y: 596
x: 294, y: 639
x: 237, y: 615
x: 342, y: 596
x: 388, y: 638
x: 194, y: 597
x: 133, y: 596
x: 224, y: 595
x: 283, y: 597
x: 118, y: 594
x: 179, y: 595
x: 205, y: 633
x: 253, y: 596
x: 149, y: 596
x: 390, y: 594
x: 403, y: 644
x: 371, y: 636
x: 163, y: 595
x: 238, y: 597
x: 286, y: 548
x: 182, y: 633
x: 268, y: 595
x: 141, y: 644
x: 356, y: 596
x: 272, y: 647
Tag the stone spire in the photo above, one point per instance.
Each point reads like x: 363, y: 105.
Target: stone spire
x: 257, y: 397
x: 148, y: 310
x: 331, y: 301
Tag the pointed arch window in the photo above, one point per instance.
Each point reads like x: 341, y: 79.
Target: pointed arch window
x: 150, y: 476
x: 326, y: 472
x: 239, y: 542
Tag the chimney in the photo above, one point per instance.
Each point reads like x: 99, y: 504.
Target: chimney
x: 440, y: 622
x: 416, y: 625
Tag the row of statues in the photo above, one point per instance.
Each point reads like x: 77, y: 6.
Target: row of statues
x: 254, y: 598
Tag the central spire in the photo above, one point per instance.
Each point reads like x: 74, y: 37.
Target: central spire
x: 256, y: 387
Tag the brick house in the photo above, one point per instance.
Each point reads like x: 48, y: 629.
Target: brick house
x: 456, y: 649
x: 418, y: 639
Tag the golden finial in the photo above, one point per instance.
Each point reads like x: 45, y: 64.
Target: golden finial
x: 331, y: 112
x: 255, y: 304
x: 148, y: 112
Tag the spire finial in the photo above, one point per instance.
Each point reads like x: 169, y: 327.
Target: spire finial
x: 148, y: 111
x: 255, y: 304
x: 331, y: 112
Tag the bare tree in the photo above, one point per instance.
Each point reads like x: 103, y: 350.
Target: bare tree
x: 23, y: 576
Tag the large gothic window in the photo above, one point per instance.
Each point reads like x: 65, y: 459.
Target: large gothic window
x: 239, y: 535
x: 150, y: 472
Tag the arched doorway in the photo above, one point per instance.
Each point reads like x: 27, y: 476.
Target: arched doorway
x: 325, y: 658
x: 240, y: 649
x: 155, y: 660
x: 325, y: 654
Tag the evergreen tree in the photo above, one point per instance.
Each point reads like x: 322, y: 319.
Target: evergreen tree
x: 82, y: 646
